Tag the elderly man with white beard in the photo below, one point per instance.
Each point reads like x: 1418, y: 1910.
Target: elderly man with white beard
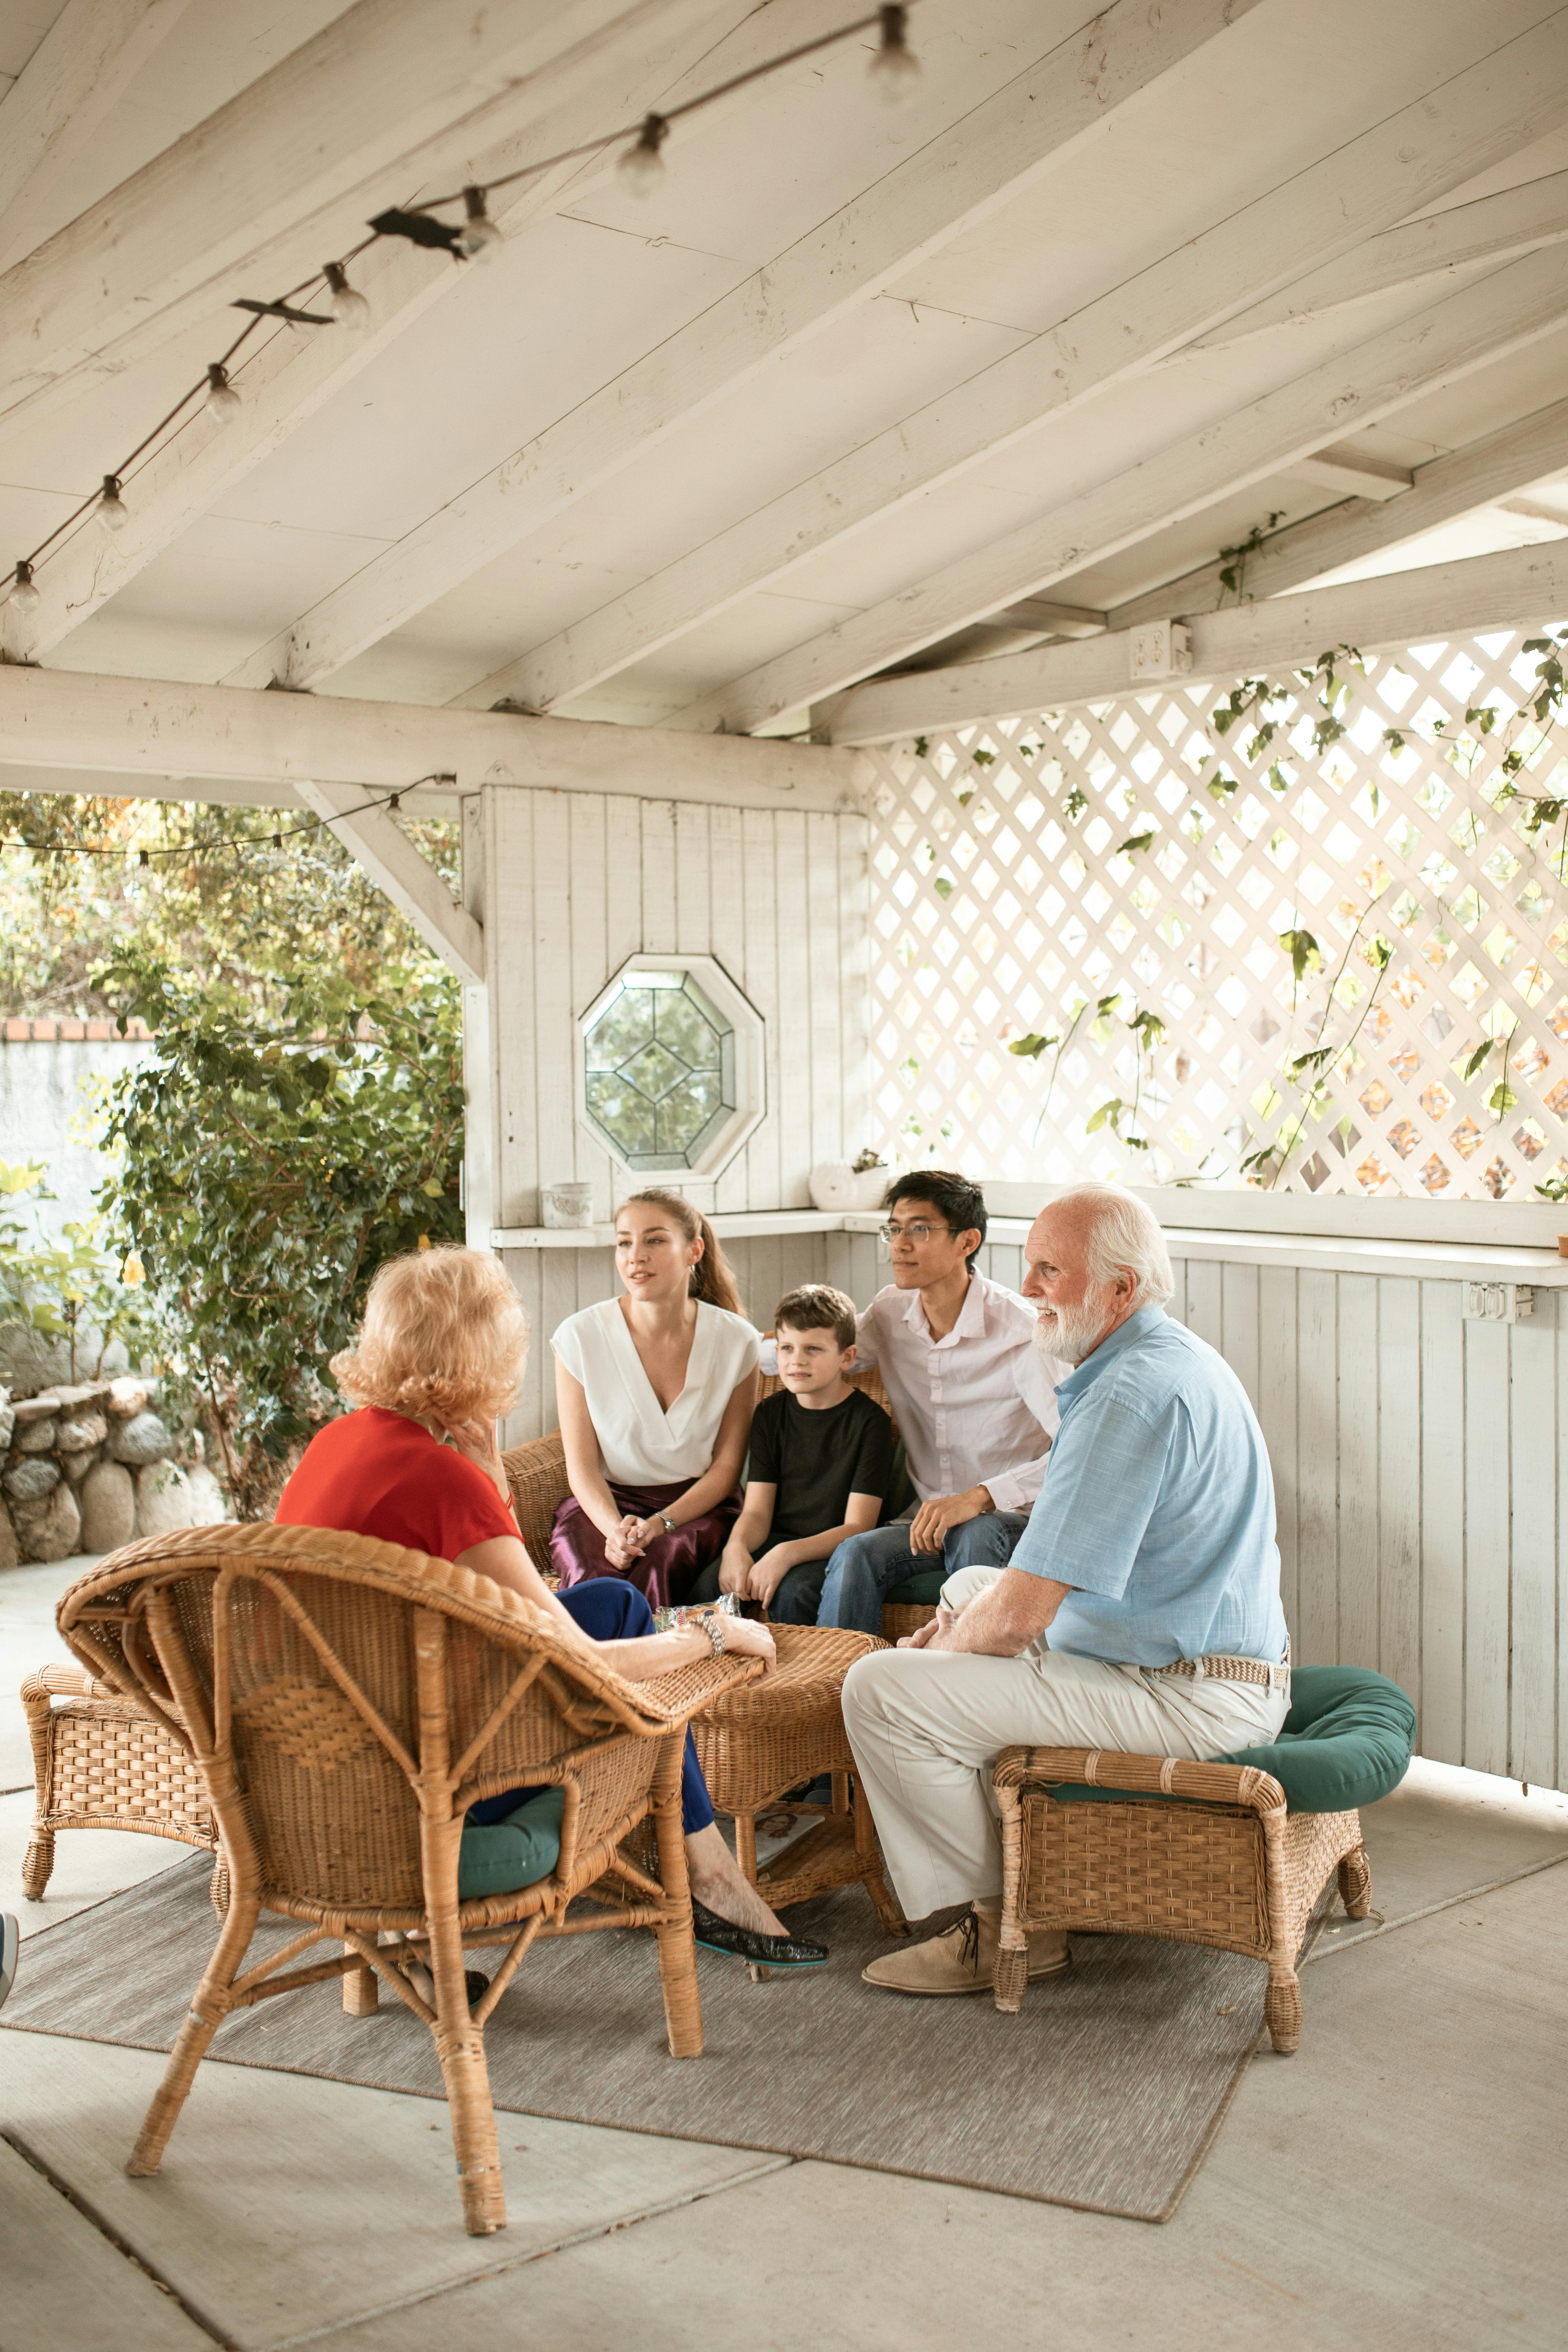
x: 1140, y: 1611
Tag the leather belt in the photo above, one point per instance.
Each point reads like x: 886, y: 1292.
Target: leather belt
x: 1233, y: 1670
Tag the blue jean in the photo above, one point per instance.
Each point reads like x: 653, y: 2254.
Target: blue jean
x: 608, y: 1609
x: 864, y: 1568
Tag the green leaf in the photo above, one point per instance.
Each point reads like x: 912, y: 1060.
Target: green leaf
x: 942, y: 886
x: 1134, y: 845
x: 922, y: 746
x: 1075, y: 804
x: 1106, y: 1116
x: 1502, y: 1099
x: 1479, y: 1056
x: 1304, y: 951
x: 1032, y: 1046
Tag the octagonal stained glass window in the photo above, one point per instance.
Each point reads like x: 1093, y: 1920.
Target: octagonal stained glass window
x: 659, y: 1069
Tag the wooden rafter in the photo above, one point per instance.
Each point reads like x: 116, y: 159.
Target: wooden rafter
x: 1515, y: 306
x: 90, y: 55
x: 958, y: 179
x: 1461, y: 126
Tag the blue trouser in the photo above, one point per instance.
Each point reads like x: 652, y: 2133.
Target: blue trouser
x: 609, y: 1609
x: 864, y: 1568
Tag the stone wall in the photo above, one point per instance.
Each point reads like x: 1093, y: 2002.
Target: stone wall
x: 89, y: 1469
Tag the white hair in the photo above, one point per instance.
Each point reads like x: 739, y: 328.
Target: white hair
x: 1122, y: 1236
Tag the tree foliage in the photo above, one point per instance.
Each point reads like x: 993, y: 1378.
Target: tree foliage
x: 272, y: 1155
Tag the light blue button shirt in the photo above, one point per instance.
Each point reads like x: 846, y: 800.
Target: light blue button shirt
x: 1158, y: 1507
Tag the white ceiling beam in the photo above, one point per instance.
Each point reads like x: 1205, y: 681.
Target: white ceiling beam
x: 377, y: 843
x: 1341, y: 467
x: 287, y: 377
x: 1477, y: 476
x: 389, y: 95
x: 1472, y: 120
x: 1493, y: 228
x: 85, y: 62
x: 957, y: 180
x: 1515, y: 306
x: 1521, y: 585
x: 126, y: 726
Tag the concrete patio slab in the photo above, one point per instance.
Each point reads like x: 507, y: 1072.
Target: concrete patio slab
x: 287, y: 2206
x: 1395, y: 2188
x: 65, y: 2283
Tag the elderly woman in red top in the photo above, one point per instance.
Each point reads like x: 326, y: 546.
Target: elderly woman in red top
x: 444, y: 1340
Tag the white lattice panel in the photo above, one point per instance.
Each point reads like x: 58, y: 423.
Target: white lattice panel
x: 1003, y: 901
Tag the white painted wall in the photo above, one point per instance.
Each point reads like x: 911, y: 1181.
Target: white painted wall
x: 576, y: 882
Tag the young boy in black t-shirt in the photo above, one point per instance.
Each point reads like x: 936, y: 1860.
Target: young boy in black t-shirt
x: 821, y: 1464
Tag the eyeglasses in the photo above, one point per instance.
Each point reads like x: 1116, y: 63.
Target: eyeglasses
x: 917, y: 1233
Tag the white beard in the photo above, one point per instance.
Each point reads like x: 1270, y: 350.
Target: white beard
x: 1071, y: 1333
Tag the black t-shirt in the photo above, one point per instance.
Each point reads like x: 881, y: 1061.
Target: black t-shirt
x: 817, y: 1460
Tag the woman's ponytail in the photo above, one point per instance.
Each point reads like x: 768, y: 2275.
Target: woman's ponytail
x: 712, y: 1277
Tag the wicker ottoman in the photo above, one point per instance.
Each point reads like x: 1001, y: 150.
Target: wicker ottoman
x: 1229, y: 1867
x: 100, y: 1763
x: 755, y: 1743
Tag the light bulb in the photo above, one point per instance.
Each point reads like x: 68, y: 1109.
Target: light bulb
x: 478, y: 236
x: 25, y: 599
x: 111, y: 509
x: 641, y: 168
x: 222, y: 399
x: 349, y: 308
x: 895, y: 68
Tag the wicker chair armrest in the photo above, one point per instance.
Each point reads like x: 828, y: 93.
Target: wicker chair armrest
x: 1021, y: 1768
x: 688, y: 1690
x: 62, y: 1681
x: 536, y: 1473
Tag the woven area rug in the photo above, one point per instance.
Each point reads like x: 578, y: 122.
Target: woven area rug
x: 1104, y: 2091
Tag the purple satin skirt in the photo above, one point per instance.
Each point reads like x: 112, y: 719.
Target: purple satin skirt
x: 667, y: 1569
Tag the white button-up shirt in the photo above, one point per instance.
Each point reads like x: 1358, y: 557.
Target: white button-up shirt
x: 975, y: 1408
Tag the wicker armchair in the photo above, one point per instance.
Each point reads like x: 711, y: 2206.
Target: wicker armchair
x: 342, y: 1703
x: 1229, y: 1867
x: 102, y: 1762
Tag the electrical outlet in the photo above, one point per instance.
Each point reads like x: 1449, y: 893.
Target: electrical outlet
x: 1160, y: 649
x: 1499, y: 1302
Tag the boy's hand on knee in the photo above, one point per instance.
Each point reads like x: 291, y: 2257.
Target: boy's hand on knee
x: 735, y: 1570
x: 932, y: 1523
x: 767, y: 1574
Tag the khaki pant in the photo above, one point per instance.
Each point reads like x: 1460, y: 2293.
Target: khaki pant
x: 927, y: 1727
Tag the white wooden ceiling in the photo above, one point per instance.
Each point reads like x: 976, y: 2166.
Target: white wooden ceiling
x: 850, y: 388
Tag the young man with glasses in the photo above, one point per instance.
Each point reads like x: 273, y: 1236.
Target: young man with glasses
x: 973, y: 1397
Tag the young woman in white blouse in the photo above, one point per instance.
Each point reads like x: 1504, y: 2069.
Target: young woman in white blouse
x: 655, y: 1392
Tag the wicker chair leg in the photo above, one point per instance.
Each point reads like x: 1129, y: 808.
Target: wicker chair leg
x: 219, y: 1888
x: 1010, y: 1975
x: 676, y: 1945
x: 1355, y: 1884
x: 1282, y: 2010
x: 206, y: 2013
x: 38, y: 1863
x: 361, y: 1990
x: 746, y: 1845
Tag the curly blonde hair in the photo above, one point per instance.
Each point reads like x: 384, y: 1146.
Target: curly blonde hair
x: 444, y: 1338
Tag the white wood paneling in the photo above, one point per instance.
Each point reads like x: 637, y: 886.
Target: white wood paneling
x: 577, y: 882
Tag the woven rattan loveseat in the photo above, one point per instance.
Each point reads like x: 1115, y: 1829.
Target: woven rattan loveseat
x: 343, y: 1702
x: 537, y: 1473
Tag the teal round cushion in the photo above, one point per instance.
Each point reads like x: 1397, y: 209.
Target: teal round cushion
x: 498, y: 1857
x: 922, y: 1592
x: 1346, y: 1742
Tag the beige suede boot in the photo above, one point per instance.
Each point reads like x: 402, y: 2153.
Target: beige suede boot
x: 962, y: 1959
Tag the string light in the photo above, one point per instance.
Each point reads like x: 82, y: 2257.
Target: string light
x: 227, y: 841
x: 478, y: 236
x: 641, y: 168
x: 348, y: 308
x: 113, y: 511
x: 223, y: 401
x: 895, y: 68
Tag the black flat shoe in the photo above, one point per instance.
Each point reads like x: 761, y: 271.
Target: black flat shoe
x: 476, y: 1985
x: 716, y: 1934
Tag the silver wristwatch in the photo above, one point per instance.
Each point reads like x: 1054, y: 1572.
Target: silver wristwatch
x: 668, y: 1522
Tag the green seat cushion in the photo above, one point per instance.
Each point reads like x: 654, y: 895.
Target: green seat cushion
x: 1346, y: 1741
x: 498, y: 1857
x: 922, y: 1592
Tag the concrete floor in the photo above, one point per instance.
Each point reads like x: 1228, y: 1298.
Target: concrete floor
x: 1397, y: 2184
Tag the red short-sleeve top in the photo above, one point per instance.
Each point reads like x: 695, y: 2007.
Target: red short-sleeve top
x: 375, y: 1473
